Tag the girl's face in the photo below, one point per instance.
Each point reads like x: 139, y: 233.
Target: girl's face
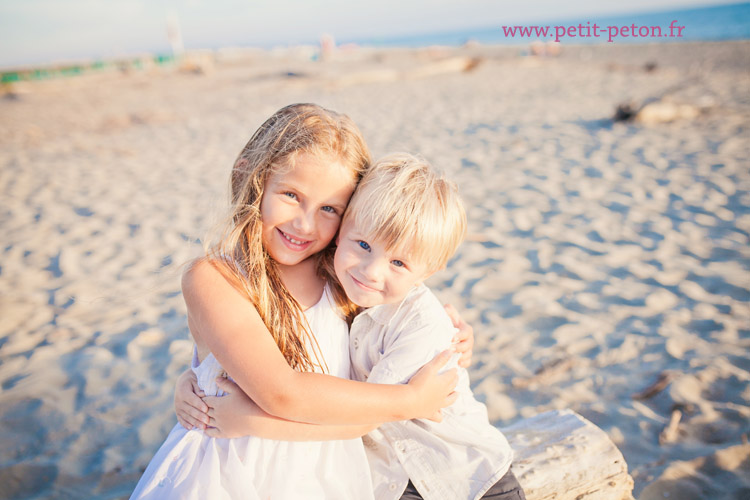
x: 301, y: 208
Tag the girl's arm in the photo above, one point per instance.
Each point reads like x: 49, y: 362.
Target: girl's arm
x: 192, y: 411
x: 231, y: 328
x: 243, y: 417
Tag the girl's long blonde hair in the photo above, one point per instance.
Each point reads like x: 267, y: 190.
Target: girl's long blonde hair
x: 240, y: 254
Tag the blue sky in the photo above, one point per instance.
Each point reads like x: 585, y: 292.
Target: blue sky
x: 42, y: 31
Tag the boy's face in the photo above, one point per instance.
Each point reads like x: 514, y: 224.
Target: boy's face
x: 372, y: 275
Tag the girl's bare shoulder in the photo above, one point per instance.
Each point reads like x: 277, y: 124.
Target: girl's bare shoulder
x: 199, y: 271
x: 206, y: 277
x: 216, y: 307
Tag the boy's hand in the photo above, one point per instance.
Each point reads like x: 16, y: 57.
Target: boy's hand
x: 226, y: 412
x: 464, y: 339
x: 434, y: 390
x: 190, y: 409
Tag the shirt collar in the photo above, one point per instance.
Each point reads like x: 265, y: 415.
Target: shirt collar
x: 383, y: 314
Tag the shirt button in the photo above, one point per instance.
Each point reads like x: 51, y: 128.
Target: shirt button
x: 356, y: 343
x: 392, y: 486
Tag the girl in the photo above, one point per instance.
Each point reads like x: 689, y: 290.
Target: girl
x: 253, y: 305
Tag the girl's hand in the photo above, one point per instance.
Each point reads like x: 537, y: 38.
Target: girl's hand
x: 190, y: 409
x: 464, y: 339
x: 228, y: 414
x: 434, y: 390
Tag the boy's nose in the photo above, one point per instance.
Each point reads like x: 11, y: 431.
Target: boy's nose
x: 373, y: 270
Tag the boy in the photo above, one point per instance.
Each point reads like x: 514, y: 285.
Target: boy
x: 403, y: 223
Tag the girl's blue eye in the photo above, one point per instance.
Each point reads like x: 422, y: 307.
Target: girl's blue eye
x: 328, y: 209
x: 291, y: 195
x: 398, y: 263
x: 363, y: 245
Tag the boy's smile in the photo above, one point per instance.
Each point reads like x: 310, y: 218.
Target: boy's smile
x: 371, y: 274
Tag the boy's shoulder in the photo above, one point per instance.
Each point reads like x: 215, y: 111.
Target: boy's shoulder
x: 422, y: 305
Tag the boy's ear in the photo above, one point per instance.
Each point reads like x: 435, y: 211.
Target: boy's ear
x: 428, y: 274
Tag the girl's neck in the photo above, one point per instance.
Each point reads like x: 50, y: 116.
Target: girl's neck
x: 303, y: 282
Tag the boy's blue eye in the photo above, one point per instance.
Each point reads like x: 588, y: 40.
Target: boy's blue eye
x: 363, y: 245
x: 398, y: 263
x: 329, y: 209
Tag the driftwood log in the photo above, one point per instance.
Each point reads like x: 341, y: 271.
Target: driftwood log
x: 661, y: 109
x: 386, y: 74
x: 560, y: 455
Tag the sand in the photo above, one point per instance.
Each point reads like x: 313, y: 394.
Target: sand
x: 602, y: 257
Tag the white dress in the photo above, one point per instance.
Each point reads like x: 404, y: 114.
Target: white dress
x: 191, y: 465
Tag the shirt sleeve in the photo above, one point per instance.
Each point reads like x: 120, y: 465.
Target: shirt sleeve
x: 413, y: 342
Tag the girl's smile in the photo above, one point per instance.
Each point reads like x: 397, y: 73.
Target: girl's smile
x: 294, y: 244
x: 302, y: 206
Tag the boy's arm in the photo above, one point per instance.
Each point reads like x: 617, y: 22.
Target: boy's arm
x: 464, y: 338
x: 188, y: 405
x: 235, y: 415
x: 231, y: 328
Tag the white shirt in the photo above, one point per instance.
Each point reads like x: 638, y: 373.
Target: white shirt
x: 458, y: 458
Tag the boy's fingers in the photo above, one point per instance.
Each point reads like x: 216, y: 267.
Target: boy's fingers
x: 195, y: 417
x: 195, y: 406
x: 196, y: 388
x: 465, y: 361
x: 225, y: 385
x: 197, y: 403
x: 200, y: 416
x: 452, y: 313
x: 210, y: 403
x: 464, y: 337
x: 184, y: 422
x: 189, y: 422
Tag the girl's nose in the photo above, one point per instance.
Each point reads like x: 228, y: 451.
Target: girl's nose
x: 304, y: 222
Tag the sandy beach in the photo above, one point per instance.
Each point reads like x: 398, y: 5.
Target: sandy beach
x: 607, y: 267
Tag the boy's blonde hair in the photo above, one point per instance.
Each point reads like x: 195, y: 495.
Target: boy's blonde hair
x: 405, y: 203
x: 240, y: 254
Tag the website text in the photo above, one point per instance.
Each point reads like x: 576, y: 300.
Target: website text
x: 590, y: 30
